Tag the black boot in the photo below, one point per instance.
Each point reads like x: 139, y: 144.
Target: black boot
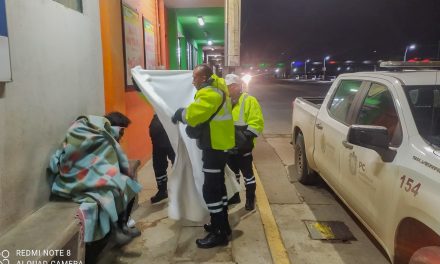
x: 208, y: 228
x: 213, y: 239
x: 118, y: 236
x: 161, y: 194
x: 250, y: 202
x: 131, y: 231
x: 235, y: 199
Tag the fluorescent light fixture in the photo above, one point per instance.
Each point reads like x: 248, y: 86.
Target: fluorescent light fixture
x: 209, y: 42
x: 201, y: 21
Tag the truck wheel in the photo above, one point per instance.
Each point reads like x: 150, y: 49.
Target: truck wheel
x: 306, y: 176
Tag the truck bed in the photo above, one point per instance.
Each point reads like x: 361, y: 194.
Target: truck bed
x: 313, y: 101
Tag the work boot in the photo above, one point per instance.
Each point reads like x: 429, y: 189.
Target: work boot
x: 161, y: 194
x: 208, y: 228
x: 235, y: 199
x: 131, y: 231
x: 250, y: 203
x: 119, y: 237
x: 213, y: 239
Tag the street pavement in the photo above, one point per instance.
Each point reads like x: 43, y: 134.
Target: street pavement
x: 167, y: 241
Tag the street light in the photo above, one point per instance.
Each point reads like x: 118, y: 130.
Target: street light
x: 323, y: 68
x: 410, y: 47
x: 305, y: 68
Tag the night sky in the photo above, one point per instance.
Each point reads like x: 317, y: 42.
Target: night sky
x: 283, y: 30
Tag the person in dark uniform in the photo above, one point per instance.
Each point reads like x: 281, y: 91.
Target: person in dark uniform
x: 162, y: 152
x: 211, y: 113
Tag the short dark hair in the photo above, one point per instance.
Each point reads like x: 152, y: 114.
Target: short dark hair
x: 118, y: 119
x: 205, y: 70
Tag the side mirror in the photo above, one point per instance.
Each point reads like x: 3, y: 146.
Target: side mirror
x: 372, y: 137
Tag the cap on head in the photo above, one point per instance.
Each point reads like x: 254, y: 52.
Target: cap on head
x: 232, y: 78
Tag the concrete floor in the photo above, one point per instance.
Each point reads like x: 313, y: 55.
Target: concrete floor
x: 312, y: 203
x: 167, y: 241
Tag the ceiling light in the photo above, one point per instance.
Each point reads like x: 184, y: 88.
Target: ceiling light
x: 201, y: 21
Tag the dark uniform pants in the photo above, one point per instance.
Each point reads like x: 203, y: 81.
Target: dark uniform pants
x: 162, y: 151
x: 161, y: 154
x: 214, y: 189
x: 242, y: 161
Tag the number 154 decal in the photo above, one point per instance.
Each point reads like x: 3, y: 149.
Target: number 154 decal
x: 409, y: 185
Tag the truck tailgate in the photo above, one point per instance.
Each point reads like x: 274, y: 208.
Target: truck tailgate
x: 305, y: 111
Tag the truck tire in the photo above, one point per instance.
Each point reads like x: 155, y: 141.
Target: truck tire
x: 306, y: 176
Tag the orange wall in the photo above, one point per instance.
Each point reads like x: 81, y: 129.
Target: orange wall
x: 113, y: 58
x: 140, y: 113
x: 136, y: 141
x: 138, y: 110
x: 112, y: 53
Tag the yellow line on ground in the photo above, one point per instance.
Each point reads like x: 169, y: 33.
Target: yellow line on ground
x: 273, y: 237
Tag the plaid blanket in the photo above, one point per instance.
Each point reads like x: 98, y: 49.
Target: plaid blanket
x: 91, y: 169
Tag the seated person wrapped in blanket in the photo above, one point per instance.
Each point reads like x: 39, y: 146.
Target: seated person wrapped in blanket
x: 91, y: 168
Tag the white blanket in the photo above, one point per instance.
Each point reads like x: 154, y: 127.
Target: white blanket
x: 167, y: 91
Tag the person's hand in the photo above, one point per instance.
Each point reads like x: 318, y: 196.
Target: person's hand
x: 177, y: 116
x: 249, y: 134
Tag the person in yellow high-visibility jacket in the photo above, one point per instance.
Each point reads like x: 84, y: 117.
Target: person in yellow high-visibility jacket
x: 210, y: 115
x: 249, y: 124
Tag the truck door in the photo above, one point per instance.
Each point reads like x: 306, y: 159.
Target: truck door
x: 366, y: 181
x: 331, y: 128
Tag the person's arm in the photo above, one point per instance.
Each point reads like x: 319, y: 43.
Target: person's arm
x: 207, y: 101
x: 255, y: 119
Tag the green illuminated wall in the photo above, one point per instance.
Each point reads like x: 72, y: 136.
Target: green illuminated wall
x: 172, y: 38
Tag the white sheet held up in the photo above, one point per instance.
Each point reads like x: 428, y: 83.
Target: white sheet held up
x: 167, y: 91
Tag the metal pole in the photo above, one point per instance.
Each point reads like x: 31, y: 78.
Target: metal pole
x: 305, y: 70
x: 406, y: 51
x: 438, y: 51
x: 323, y: 69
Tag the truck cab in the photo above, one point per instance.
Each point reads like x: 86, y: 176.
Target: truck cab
x: 375, y: 139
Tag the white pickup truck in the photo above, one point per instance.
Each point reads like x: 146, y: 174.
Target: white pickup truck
x: 375, y: 139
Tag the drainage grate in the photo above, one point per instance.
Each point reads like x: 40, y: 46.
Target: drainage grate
x: 329, y: 230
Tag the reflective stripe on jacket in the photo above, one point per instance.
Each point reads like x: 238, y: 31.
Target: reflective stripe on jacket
x: 221, y: 127
x: 248, y: 112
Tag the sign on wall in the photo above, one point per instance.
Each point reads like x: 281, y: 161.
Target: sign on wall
x: 133, y: 41
x: 5, y: 62
x: 150, y: 48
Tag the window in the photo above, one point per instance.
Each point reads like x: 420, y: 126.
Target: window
x: 343, y: 99
x: 74, y: 4
x: 424, y: 101
x: 378, y: 110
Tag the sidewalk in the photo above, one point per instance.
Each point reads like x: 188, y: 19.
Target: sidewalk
x: 167, y: 241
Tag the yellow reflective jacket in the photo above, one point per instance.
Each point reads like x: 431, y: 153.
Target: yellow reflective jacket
x: 248, y: 112
x: 221, y: 133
